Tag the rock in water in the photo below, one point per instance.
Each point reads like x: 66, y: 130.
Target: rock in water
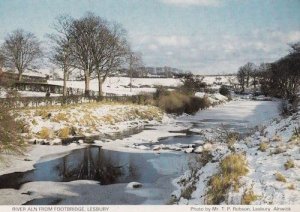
x: 56, y: 141
x: 208, y: 147
x: 199, y: 149
x: 134, y: 185
x: 189, y: 150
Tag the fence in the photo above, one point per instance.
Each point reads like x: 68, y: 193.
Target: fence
x: 19, y: 102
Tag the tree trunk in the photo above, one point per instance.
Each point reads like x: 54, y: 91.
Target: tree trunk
x: 87, y: 85
x: 100, y: 83
x: 247, y: 80
x: 20, y: 76
x: 65, y: 83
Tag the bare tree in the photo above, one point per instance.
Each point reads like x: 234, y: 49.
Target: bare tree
x: 135, y: 61
x: 109, y: 50
x: 61, y: 48
x: 254, y: 74
x: 21, y: 50
x: 241, y: 76
x: 1, y: 61
x: 244, y: 75
x: 82, y: 36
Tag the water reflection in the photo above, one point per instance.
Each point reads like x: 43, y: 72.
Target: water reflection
x: 95, y: 163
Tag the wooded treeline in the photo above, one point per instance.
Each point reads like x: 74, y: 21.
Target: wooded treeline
x: 279, y: 79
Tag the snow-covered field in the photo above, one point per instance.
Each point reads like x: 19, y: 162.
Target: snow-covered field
x: 120, y: 85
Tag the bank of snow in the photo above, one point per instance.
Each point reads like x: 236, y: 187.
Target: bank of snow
x: 89, y: 119
x: 272, y: 154
x: 282, y: 141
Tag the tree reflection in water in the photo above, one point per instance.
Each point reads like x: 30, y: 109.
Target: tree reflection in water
x: 91, y: 164
x: 105, y: 166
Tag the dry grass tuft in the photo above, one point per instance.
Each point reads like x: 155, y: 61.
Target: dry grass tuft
x: 280, y: 177
x: 64, y: 132
x: 34, y: 122
x: 276, y: 138
x: 232, y: 167
x: 231, y: 139
x: 263, y: 146
x: 45, y: 133
x: 43, y: 113
x: 291, y: 187
x: 278, y: 150
x: 248, y: 197
x: 60, y: 117
x: 289, y: 164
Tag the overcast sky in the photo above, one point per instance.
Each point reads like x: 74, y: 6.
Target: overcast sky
x: 203, y: 36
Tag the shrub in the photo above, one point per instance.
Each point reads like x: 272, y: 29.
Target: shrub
x: 195, y: 104
x: 186, y: 193
x: 10, y: 129
x: 263, y: 146
x: 161, y: 91
x: 285, y: 108
x: 224, y: 91
x: 178, y: 103
x: 280, y: 177
x: 144, y: 99
x: 248, y: 197
x: 204, y: 102
x: 289, y: 164
x: 191, y: 84
x: 173, y: 102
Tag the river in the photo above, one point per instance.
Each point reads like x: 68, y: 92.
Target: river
x: 100, y: 173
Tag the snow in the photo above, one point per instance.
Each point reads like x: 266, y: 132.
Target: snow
x: 247, y: 113
x: 279, y: 133
x: 89, y: 119
x: 214, y: 98
x: 120, y: 85
x: 264, y: 165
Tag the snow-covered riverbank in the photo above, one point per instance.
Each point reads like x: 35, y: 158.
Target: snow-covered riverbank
x: 271, y: 152
x: 50, y: 125
x: 228, y: 116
